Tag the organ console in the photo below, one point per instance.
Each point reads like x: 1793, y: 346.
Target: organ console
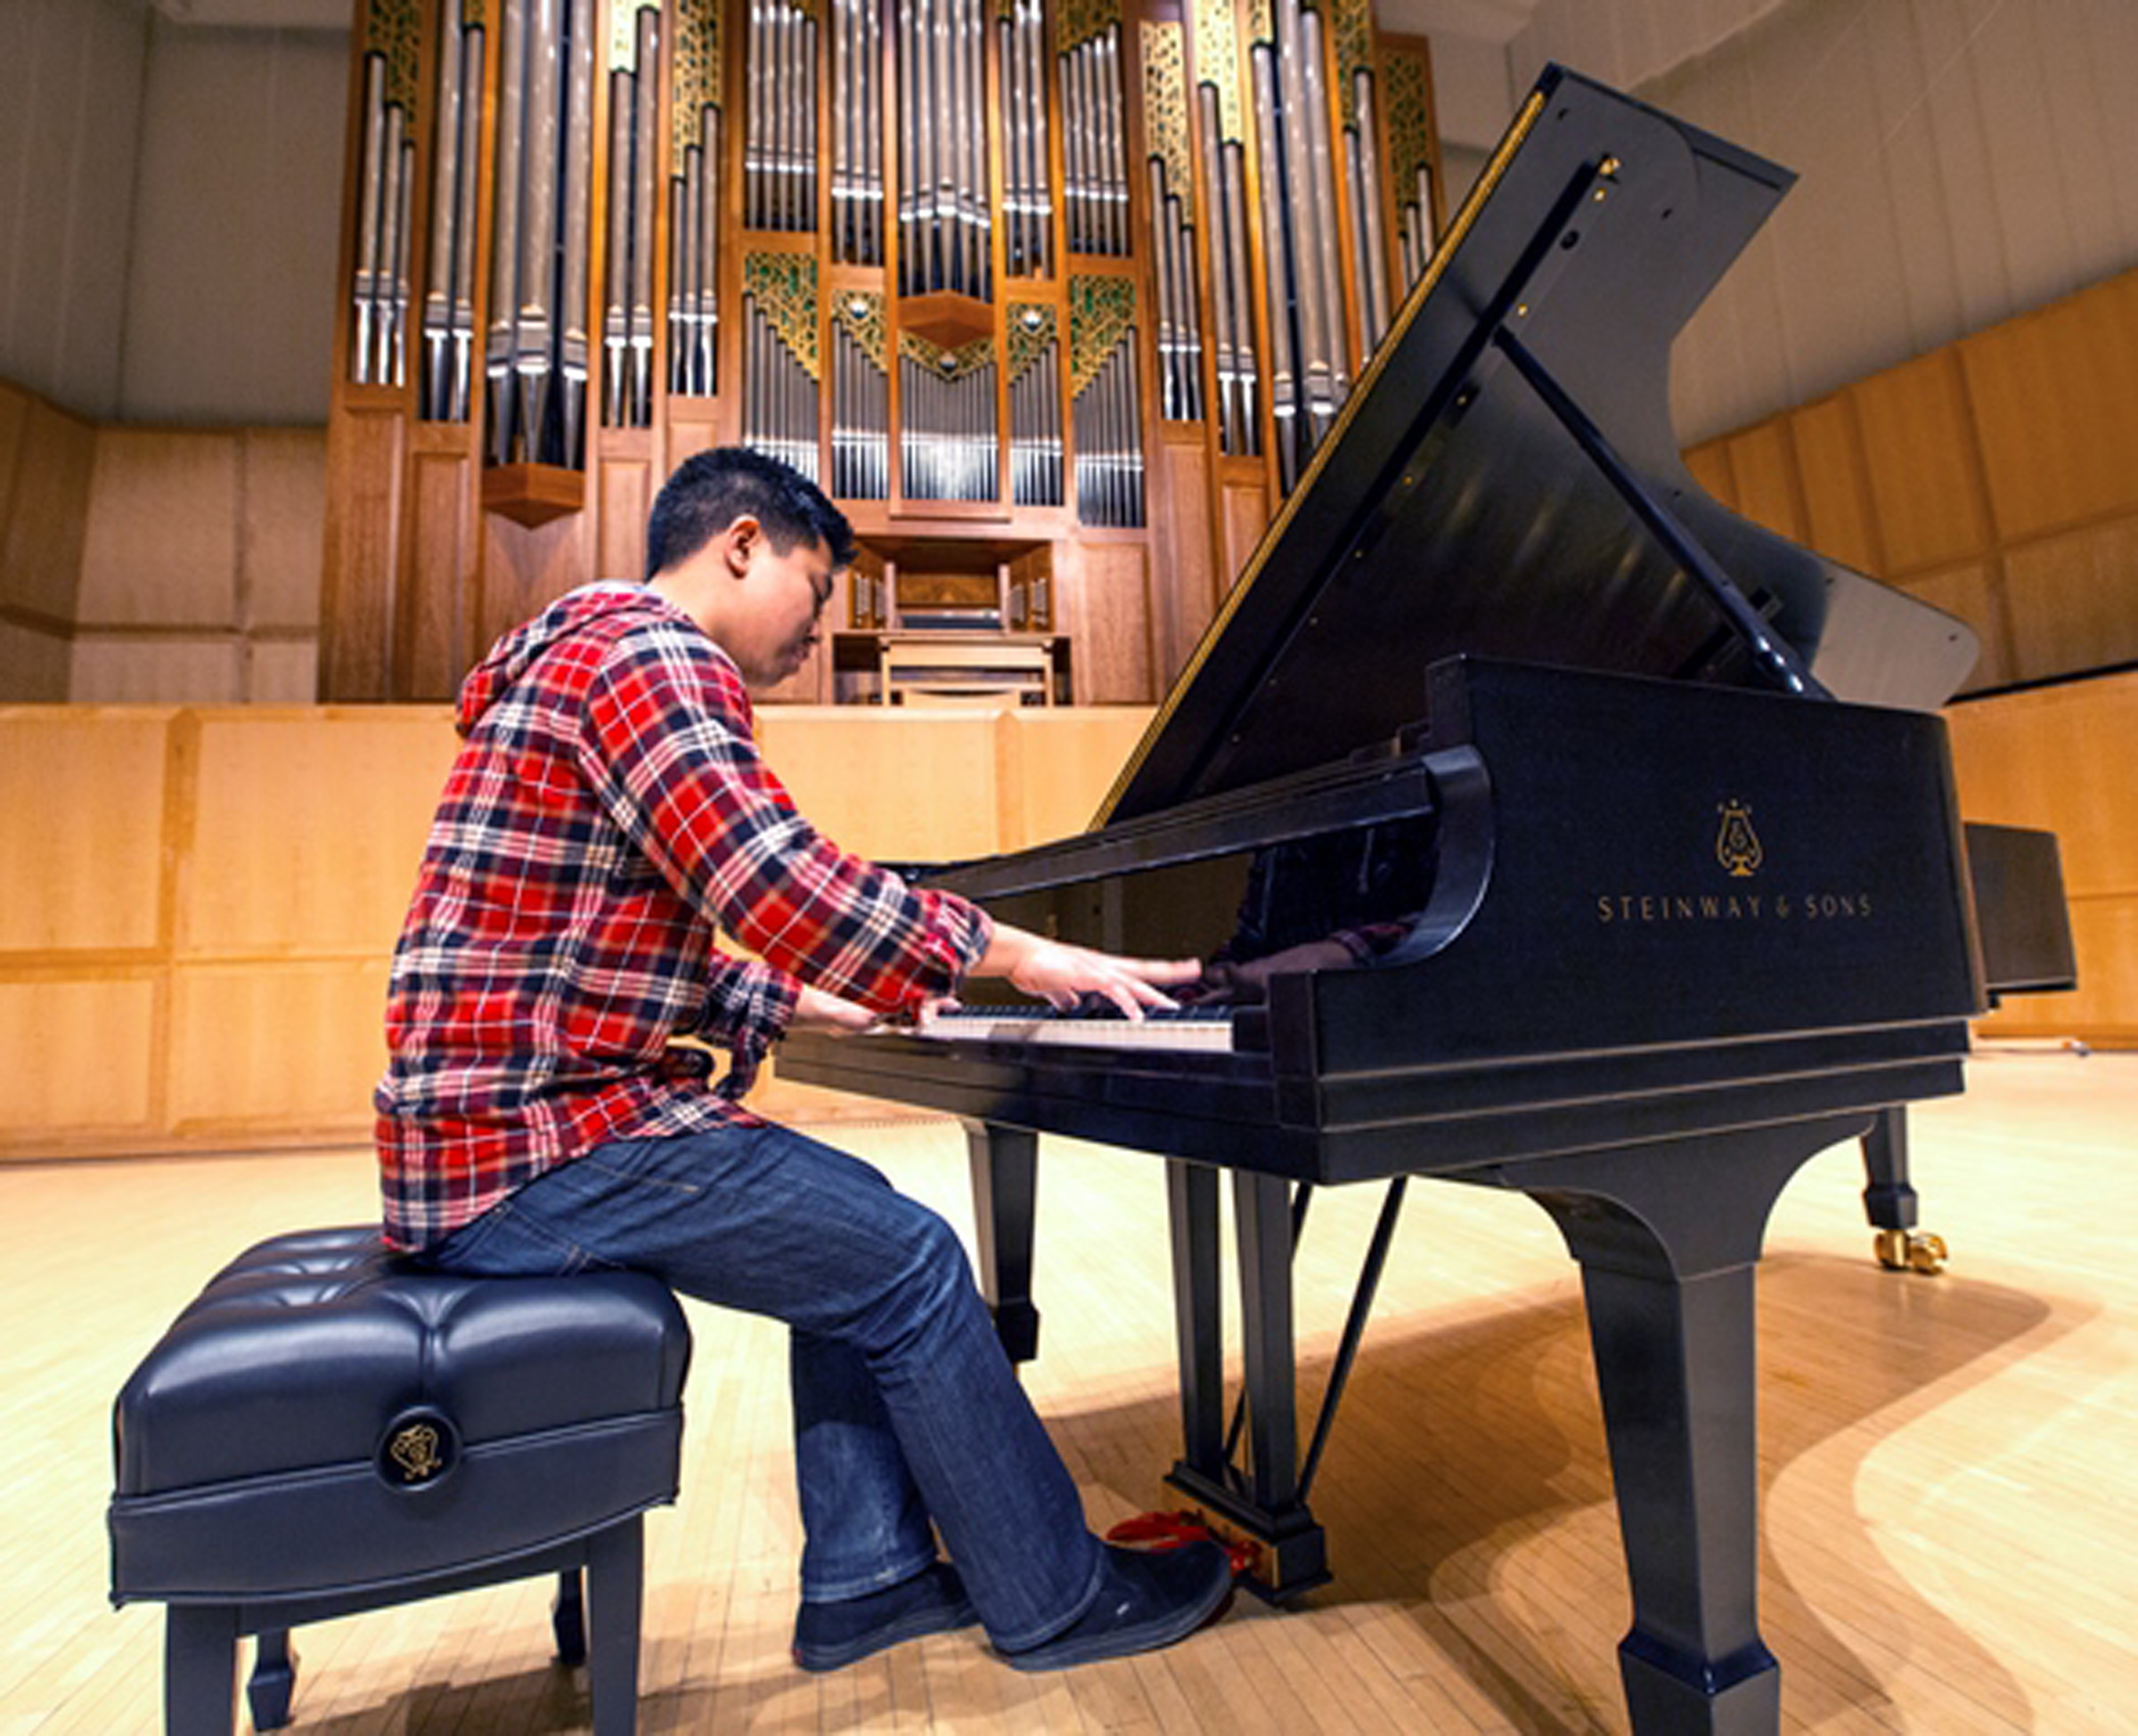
x: 1548, y: 828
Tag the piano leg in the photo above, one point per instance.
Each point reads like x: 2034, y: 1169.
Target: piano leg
x: 1005, y: 1166
x: 1268, y: 1512
x: 1666, y: 1270
x: 1191, y: 1200
x: 1889, y: 1202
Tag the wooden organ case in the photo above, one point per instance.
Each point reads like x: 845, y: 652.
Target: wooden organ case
x: 1055, y: 297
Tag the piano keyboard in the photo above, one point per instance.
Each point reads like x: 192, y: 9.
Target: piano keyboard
x: 1186, y: 1028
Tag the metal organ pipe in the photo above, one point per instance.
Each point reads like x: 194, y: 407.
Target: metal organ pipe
x: 534, y: 333
x: 1276, y: 243
x: 1373, y: 268
x: 504, y: 237
x: 615, y: 296
x: 645, y: 163
x: 438, y: 389
x: 577, y: 178
x: 1327, y: 252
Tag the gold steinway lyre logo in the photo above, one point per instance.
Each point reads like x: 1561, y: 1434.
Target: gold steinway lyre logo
x: 1737, y: 846
x: 415, y: 1449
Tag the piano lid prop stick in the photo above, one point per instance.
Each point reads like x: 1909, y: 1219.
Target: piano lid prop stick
x: 1773, y: 654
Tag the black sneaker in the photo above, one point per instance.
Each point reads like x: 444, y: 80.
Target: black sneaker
x: 1148, y: 1599
x: 828, y: 1636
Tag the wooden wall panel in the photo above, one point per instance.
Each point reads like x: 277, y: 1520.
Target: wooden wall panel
x: 14, y: 419
x: 922, y: 791
x: 1105, y: 596
x: 307, y: 828
x: 1244, y: 516
x: 433, y: 624
x: 81, y: 1055
x: 271, y: 1048
x: 1055, y: 767
x: 173, y: 668
x: 2074, y: 598
x: 1992, y: 478
x: 525, y: 571
x: 363, y: 506
x: 2055, y: 393
x: 627, y: 485
x: 161, y: 544
x: 1764, y: 468
x: 193, y: 948
x: 283, y: 511
x: 35, y: 663
x: 1183, y: 605
x: 81, y: 855
x: 1839, y: 517
x: 1974, y: 591
x: 2058, y: 758
x: 1711, y: 467
x: 48, y: 512
x: 1925, y: 476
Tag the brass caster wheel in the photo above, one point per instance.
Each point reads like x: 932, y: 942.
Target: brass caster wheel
x: 1911, y: 1251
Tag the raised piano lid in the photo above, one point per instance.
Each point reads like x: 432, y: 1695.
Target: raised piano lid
x: 1451, y: 511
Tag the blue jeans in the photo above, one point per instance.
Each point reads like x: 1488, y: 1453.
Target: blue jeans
x: 906, y: 1410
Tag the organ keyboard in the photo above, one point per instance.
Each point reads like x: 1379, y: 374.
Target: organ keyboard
x: 1548, y: 827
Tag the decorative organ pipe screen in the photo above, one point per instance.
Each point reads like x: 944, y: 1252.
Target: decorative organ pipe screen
x: 1106, y: 422
x: 779, y: 357
x: 1035, y: 407
x: 990, y: 264
x: 694, y: 186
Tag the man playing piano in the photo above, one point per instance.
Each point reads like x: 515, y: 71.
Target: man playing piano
x: 607, y: 812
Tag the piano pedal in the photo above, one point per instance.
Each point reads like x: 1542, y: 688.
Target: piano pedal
x: 1911, y: 1251
x: 1159, y: 1531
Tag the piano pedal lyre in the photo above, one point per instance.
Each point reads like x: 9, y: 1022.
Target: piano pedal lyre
x: 1911, y: 1251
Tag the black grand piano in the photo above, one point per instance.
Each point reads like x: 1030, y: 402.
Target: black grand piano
x: 1549, y: 829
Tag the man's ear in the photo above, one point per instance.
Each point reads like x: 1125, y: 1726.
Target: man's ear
x: 742, y: 544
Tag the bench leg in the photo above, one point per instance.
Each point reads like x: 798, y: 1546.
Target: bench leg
x: 273, y: 1679
x: 199, y: 1670
x: 615, y: 1561
x: 567, y: 1619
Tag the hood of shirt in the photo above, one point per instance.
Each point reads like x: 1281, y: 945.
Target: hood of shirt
x: 518, y: 650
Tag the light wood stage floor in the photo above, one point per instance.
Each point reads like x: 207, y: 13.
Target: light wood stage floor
x: 1950, y: 1509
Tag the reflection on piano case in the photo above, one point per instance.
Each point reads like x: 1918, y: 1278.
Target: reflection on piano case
x: 1659, y: 885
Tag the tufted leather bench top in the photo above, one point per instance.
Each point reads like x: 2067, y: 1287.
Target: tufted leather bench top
x: 327, y: 1420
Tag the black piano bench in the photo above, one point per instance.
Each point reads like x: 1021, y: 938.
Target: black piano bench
x: 327, y: 1429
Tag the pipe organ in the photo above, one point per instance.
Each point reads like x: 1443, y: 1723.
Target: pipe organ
x: 1056, y: 297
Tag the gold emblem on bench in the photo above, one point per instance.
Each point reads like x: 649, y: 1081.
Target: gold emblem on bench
x: 415, y: 1449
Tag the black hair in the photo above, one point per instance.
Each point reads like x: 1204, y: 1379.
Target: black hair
x: 710, y: 489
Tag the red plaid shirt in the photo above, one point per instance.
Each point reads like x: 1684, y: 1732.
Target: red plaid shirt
x: 609, y: 809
